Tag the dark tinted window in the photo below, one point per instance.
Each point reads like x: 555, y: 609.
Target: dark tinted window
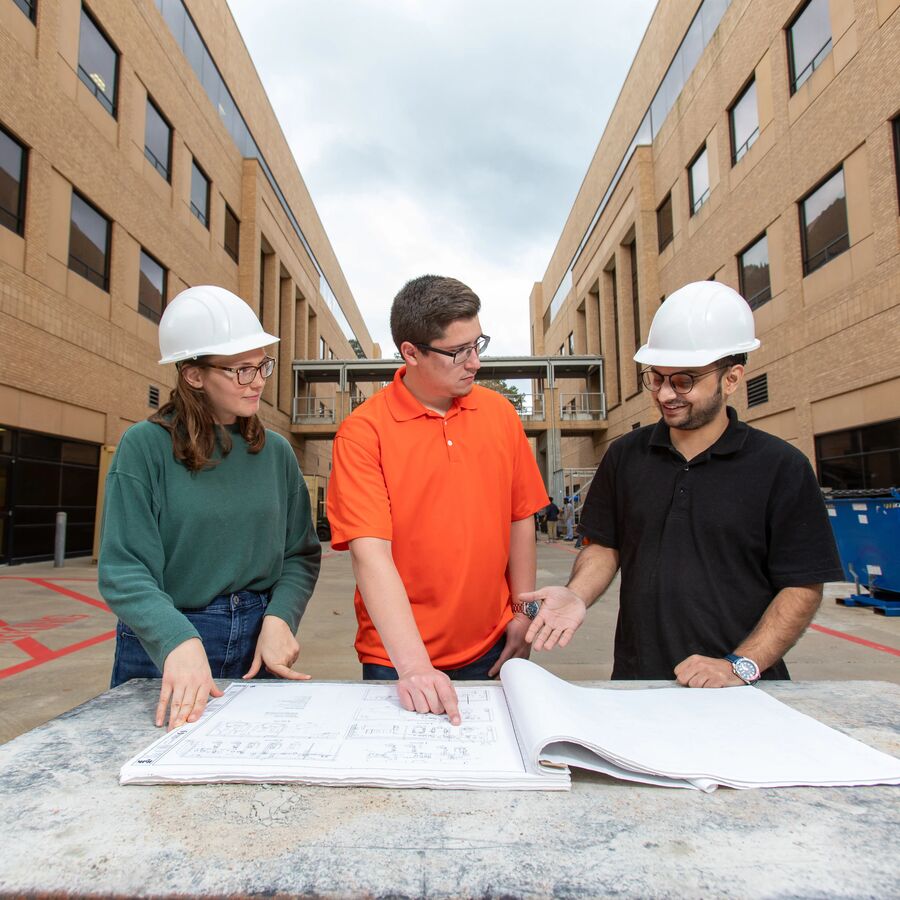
x: 823, y: 221
x: 809, y: 41
x: 860, y: 458
x: 151, y: 288
x: 199, y: 194
x: 232, y: 239
x: 158, y: 140
x: 98, y: 62
x: 753, y: 264
x: 27, y: 7
x: 897, y: 154
x: 13, y: 157
x: 698, y: 179
x: 89, y: 242
x: 744, y: 118
x: 665, y: 227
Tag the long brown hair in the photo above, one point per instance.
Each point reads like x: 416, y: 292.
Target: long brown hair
x: 188, y: 417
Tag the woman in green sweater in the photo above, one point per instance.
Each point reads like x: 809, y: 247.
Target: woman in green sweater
x: 208, y: 554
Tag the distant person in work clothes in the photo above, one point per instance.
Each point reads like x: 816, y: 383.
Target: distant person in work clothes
x: 568, y: 514
x: 719, y: 529
x: 208, y: 554
x: 552, y: 514
x: 411, y: 467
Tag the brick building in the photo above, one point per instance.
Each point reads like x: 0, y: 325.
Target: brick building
x: 756, y: 142
x: 138, y: 155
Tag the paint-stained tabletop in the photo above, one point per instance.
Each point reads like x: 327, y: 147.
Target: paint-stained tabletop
x: 67, y: 827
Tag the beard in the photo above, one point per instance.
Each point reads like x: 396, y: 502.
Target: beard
x: 698, y: 414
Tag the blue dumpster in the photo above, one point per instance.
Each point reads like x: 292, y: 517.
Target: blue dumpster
x: 866, y: 526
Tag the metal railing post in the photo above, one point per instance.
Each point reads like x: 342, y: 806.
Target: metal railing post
x: 59, y: 544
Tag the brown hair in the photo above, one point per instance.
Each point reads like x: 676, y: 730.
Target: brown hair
x: 188, y: 418
x: 426, y: 305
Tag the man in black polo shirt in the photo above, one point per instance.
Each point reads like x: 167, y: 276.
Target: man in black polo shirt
x: 719, y: 529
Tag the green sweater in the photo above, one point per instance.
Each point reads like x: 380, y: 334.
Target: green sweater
x: 173, y: 540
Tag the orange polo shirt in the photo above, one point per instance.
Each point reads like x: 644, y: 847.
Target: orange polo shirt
x: 444, y: 491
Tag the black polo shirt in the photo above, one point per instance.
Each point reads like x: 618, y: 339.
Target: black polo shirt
x: 704, y: 546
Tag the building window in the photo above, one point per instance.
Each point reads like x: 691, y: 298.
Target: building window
x: 89, y: 242
x: 199, y: 193
x: 665, y: 227
x: 897, y: 154
x: 635, y: 308
x: 151, y: 288
x: 753, y: 268
x: 322, y: 348
x: 158, y: 140
x: 823, y: 223
x: 744, y: 119
x: 27, y: 7
x: 758, y: 390
x: 98, y: 63
x: 860, y: 458
x: 698, y: 181
x: 809, y: 41
x: 614, y: 299
x: 232, y: 240
x: 13, y: 165
x: 570, y: 343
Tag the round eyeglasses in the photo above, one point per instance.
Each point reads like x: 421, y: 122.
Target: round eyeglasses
x: 680, y: 382
x: 460, y: 355
x: 247, y: 374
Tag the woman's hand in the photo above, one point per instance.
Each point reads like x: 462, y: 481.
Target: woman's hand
x: 276, y: 649
x: 186, y: 685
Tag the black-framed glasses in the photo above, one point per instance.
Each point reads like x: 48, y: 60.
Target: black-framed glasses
x: 680, y: 382
x: 460, y: 355
x: 247, y: 374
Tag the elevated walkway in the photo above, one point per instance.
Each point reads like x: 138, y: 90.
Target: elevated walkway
x: 568, y: 398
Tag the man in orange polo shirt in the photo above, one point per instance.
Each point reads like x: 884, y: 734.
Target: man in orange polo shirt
x: 433, y: 489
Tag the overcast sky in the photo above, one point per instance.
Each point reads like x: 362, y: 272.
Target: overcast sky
x: 443, y: 136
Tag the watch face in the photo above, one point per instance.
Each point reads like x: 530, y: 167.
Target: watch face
x: 531, y: 608
x: 746, y: 669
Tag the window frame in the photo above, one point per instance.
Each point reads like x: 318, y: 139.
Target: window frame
x: 237, y: 250
x: 28, y: 8
x: 110, y: 104
x: 738, y: 153
x: 667, y: 200
x: 808, y: 269
x: 164, y: 171
x: 19, y: 215
x: 154, y: 316
x: 794, y: 79
x: 695, y: 203
x: 757, y: 299
x: 202, y: 218
x: 107, y: 252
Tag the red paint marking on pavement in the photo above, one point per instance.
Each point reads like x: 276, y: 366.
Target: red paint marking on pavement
x: 67, y: 593
x: 56, y: 654
x: 856, y: 640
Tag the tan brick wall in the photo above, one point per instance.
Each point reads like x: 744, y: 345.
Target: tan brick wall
x: 830, y: 339
x: 78, y: 361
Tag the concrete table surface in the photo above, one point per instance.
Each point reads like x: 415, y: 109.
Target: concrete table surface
x: 68, y: 828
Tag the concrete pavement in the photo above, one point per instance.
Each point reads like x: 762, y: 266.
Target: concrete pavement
x: 56, y: 637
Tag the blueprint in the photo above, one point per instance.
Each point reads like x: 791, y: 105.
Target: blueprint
x: 342, y: 734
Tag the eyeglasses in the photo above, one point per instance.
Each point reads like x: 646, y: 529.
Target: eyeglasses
x: 680, y: 382
x: 247, y: 374
x: 463, y: 353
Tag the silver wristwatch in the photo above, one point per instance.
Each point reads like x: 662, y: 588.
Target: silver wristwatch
x: 744, y: 668
x: 528, y: 607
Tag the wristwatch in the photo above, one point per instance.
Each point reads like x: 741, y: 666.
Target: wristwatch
x: 744, y: 668
x: 529, y: 607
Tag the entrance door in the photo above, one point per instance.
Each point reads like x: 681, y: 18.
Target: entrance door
x: 5, y: 508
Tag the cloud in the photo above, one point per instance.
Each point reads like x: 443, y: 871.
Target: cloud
x: 443, y: 135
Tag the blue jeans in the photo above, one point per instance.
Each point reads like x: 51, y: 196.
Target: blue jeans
x: 229, y: 628
x: 473, y: 671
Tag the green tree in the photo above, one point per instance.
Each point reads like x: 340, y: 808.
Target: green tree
x: 354, y: 343
x: 510, y: 391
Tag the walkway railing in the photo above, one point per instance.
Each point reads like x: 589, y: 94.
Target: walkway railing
x: 314, y: 410
x: 582, y: 407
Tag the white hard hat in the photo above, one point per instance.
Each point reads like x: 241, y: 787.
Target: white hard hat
x: 698, y: 324
x: 208, y: 320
